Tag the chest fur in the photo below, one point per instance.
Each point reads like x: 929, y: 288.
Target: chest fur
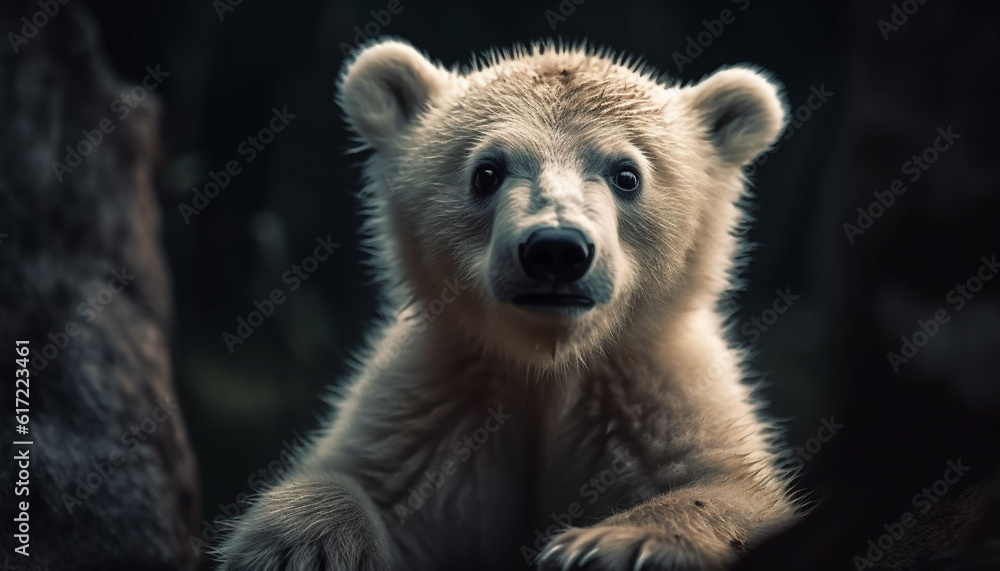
x: 503, y: 475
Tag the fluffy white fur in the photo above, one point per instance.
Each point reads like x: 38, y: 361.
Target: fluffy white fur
x: 647, y: 373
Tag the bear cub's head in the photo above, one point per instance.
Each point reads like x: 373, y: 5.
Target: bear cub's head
x: 576, y: 199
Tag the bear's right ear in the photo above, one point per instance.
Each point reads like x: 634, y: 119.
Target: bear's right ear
x: 386, y: 86
x: 743, y: 111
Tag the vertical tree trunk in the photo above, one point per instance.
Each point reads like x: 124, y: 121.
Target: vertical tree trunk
x: 83, y: 278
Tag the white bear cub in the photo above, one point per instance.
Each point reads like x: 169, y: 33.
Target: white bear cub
x: 553, y: 386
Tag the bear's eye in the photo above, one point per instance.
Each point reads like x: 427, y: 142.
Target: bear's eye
x: 487, y: 179
x: 626, y: 179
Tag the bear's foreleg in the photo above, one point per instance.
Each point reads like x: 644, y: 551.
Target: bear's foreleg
x: 323, y: 521
x: 700, y: 527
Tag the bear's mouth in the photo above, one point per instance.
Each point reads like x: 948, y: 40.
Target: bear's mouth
x: 543, y: 301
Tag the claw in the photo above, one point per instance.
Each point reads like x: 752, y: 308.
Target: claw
x: 570, y: 560
x: 548, y: 553
x: 644, y: 554
x: 589, y: 555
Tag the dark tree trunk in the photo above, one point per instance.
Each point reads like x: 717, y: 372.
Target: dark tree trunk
x: 112, y: 478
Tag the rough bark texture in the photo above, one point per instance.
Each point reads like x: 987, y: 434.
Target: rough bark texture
x: 112, y: 478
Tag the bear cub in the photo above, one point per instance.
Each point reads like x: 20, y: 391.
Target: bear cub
x: 551, y: 385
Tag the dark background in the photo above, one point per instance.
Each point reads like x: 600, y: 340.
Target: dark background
x: 825, y: 357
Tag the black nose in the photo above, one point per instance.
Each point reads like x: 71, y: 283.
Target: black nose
x: 556, y: 255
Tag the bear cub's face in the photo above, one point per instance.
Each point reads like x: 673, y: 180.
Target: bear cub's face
x: 567, y: 191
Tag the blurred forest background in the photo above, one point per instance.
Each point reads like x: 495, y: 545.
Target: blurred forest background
x: 231, y: 66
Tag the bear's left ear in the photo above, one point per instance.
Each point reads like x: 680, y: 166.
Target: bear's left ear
x: 742, y: 109
x: 386, y: 86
